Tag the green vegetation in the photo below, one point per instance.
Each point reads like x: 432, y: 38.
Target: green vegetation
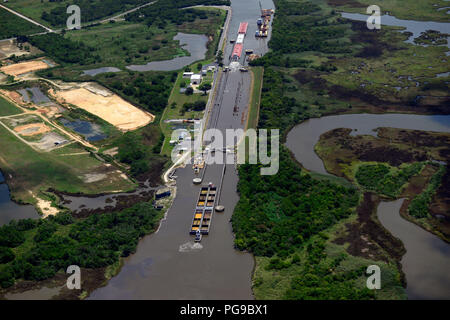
x: 7, y: 108
x: 34, y: 171
x: 425, y: 10
x: 90, y: 10
x: 44, y: 247
x: 287, y: 220
x: 255, y: 99
x: 419, y: 206
x: 164, y: 12
x: 385, y: 179
x: 277, y: 214
x: 64, y: 50
x: 13, y: 26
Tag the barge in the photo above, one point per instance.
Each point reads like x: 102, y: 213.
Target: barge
x: 204, y: 210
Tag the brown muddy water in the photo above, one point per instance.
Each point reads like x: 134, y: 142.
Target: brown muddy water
x: 426, y: 263
x: 168, y: 264
x: 427, y: 259
x: 9, y: 210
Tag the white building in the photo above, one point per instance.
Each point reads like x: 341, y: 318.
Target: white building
x: 187, y: 75
x: 196, y: 79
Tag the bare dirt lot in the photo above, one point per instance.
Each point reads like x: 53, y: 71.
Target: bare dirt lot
x: 107, y: 106
x: 9, y: 48
x: 24, y: 67
x: 32, y: 129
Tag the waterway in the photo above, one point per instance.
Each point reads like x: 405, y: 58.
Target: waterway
x: 168, y: 264
x: 195, y: 44
x: 427, y: 259
x: 413, y: 26
x: 9, y: 210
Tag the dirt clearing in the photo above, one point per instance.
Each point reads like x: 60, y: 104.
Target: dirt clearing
x: 107, y: 106
x: 24, y: 67
x: 32, y: 129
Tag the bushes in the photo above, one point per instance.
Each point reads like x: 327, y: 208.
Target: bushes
x: 95, y: 242
x: 195, y: 106
x: 64, y: 50
x: 6, y: 255
x: 10, y: 236
x: 419, y: 205
x: 381, y: 178
x: 276, y: 214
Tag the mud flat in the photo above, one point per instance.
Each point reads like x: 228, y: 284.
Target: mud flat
x: 106, y: 105
x: 24, y: 67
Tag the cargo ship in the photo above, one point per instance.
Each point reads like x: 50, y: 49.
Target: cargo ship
x: 204, y: 210
x: 239, y: 45
x: 263, y: 23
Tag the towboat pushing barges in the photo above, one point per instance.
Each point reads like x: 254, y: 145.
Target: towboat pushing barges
x: 204, y: 210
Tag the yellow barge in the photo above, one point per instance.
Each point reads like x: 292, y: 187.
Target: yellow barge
x: 204, y: 210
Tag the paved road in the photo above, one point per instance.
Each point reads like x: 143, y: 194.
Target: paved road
x: 26, y: 18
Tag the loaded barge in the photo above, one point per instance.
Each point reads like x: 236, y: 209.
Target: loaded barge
x: 203, y: 211
x: 264, y: 22
x: 237, y: 49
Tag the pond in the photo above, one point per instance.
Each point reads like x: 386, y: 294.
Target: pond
x: 91, y: 131
x: 34, y: 94
x: 9, y: 210
x: 413, y: 26
x: 195, y: 44
x: 94, y: 72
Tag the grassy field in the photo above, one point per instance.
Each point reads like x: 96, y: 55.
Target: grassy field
x: 175, y: 105
x: 7, y: 108
x: 253, y: 113
x: 123, y: 43
x: 11, y: 25
x: 424, y: 10
x: 34, y: 9
x: 34, y: 172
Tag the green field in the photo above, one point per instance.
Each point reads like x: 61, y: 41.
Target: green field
x: 7, y: 108
x: 175, y: 104
x: 12, y: 25
x: 255, y: 98
x: 123, y: 43
x: 424, y: 10
x: 34, y: 171
x: 33, y: 9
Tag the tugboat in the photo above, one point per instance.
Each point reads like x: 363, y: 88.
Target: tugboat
x: 198, y: 236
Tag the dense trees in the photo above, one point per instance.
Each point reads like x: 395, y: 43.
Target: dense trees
x: 162, y: 12
x: 12, y: 25
x: 419, y: 206
x: 279, y: 213
x: 319, y: 280
x: 385, y: 180
x: 90, y: 10
x: 94, y: 242
x: 64, y: 50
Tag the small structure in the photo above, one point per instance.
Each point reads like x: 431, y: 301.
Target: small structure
x: 162, y: 193
x: 187, y: 75
x: 196, y: 79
